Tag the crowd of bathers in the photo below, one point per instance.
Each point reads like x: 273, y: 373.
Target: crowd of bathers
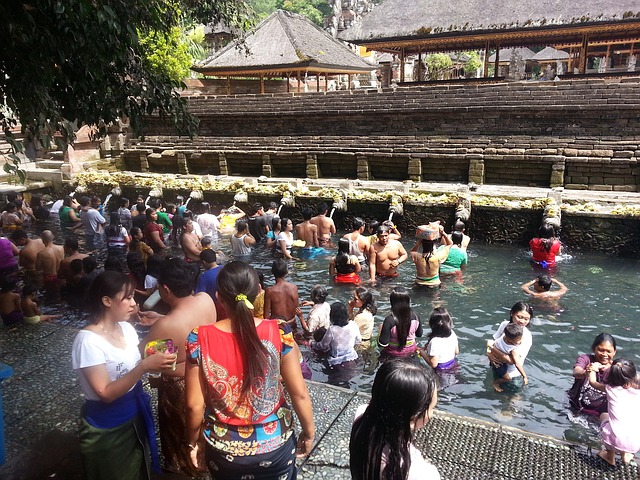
x: 157, y: 266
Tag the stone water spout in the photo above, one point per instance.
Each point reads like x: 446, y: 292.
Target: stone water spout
x: 287, y: 199
x: 240, y: 197
x: 339, y: 204
x: 79, y: 189
x: 552, y: 214
x: 154, y: 193
x: 117, y: 191
x: 463, y: 207
x: 194, y: 195
x: 396, y: 207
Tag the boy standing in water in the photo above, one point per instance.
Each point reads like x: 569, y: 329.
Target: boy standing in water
x: 507, y: 344
x: 540, y: 288
x: 282, y: 300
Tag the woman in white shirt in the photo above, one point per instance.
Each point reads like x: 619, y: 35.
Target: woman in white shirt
x: 403, y: 398
x: 442, y: 346
x: 284, y: 240
x: 117, y: 432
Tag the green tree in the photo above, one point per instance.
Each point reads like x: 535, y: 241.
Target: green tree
x: 437, y: 65
x: 80, y: 61
x: 314, y: 10
x: 472, y: 65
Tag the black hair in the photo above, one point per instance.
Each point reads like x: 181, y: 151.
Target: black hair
x: 241, y: 225
x: 322, y: 208
x: 137, y: 268
x: 342, y: 258
x: 206, y: 241
x: 622, y: 374
x: 547, y: 234
x: 603, y: 338
x: 71, y: 243
x: 401, y: 310
x: 108, y: 284
x: 373, y: 225
x: 238, y: 278
x: 115, y: 227
x: 457, y: 237
x: 84, y: 201
x: 513, y: 331
x: 9, y: 207
x: 279, y: 268
x: 338, y: 314
x: 123, y: 202
x: 75, y: 266
x: 427, y: 248
x: 440, y: 323
x: 319, y: 294
x: 368, y: 301
x: 256, y: 207
x: 29, y: 289
x: 176, y: 275
x: 273, y: 205
x: 208, y: 256
x: 357, y: 223
x: 67, y: 201
x: 113, y: 263
x: 18, y: 235
x: 154, y: 265
x: 402, y: 392
x: 521, y: 307
x: 458, y: 226
x: 382, y: 229
x: 89, y: 264
x: 8, y: 284
x: 148, y: 212
x: 545, y: 282
x: 307, y: 213
x: 283, y: 223
x: 275, y: 221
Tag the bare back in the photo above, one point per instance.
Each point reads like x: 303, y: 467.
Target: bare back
x: 281, y: 300
x: 325, y: 226
x: 308, y: 232
x: 48, y: 259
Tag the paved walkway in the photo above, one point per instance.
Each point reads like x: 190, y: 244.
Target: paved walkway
x: 42, y: 401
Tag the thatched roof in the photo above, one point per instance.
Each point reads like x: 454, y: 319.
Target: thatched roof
x: 283, y: 43
x: 550, y: 54
x: 396, y: 19
x: 505, y: 54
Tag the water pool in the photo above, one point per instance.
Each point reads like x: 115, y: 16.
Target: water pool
x: 602, y: 297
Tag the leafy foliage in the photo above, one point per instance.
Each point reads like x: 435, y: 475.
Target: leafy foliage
x: 168, y: 54
x: 437, y: 64
x: 473, y: 64
x: 84, y: 62
x: 314, y: 10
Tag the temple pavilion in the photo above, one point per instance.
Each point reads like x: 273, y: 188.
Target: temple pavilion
x: 603, y: 29
x: 287, y: 45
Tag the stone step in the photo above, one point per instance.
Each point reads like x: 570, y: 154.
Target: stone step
x: 49, y: 163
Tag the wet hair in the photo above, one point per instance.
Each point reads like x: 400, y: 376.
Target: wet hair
x: 458, y: 226
x: 19, y: 235
x: 29, y: 289
x: 283, y: 223
x: 155, y: 203
x: 89, y: 264
x: 113, y: 263
x: 241, y: 225
x: 234, y: 279
x: 307, y: 213
x: 440, y: 323
x: 208, y: 256
x: 402, y: 392
x: 547, y: 234
x: 275, y: 221
x: 382, y: 229
x: 273, y: 205
x: 76, y: 266
x: 176, y: 275
x: 84, y: 201
x: 67, y: 201
x: 279, y: 268
x: 338, y: 314
x: 319, y: 294
x: 71, y: 243
x: 457, y: 237
x: 154, y: 265
x: 206, y: 242
x: 357, y: 223
x: 513, y: 331
x: 368, y: 301
x: 545, y: 282
x: 141, y: 207
x: 401, y: 310
x: 137, y: 268
x: 114, y: 228
x: 95, y: 200
x: 427, y: 248
x: 256, y: 207
x: 603, y: 338
x: 12, y: 196
x: 322, y: 208
x: 520, y: 307
x: 622, y: 374
x: 342, y: 257
x: 205, y: 207
x: 10, y: 207
x: 108, y: 284
x: 148, y: 212
x: 373, y: 225
x: 123, y: 202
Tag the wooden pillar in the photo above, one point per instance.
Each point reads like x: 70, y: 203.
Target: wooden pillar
x: 349, y: 80
x: 496, y: 64
x: 419, y: 65
x: 631, y: 52
x: 298, y: 75
x: 485, y: 74
x: 606, y: 58
x: 570, y: 65
x: 228, y: 85
x: 402, y: 64
x: 317, y: 81
x: 326, y: 82
x: 288, y: 78
x: 261, y: 84
x: 583, y: 54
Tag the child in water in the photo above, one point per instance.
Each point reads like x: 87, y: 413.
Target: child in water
x: 508, y: 344
x: 442, y: 345
x: 620, y: 426
x: 30, y: 308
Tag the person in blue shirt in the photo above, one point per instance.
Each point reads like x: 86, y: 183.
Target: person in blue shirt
x: 208, y: 280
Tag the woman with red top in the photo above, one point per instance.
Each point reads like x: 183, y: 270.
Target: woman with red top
x: 232, y: 380
x: 545, y: 247
x: 153, y: 233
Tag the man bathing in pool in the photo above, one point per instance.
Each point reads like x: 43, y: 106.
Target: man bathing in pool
x: 540, y: 288
x: 385, y: 255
